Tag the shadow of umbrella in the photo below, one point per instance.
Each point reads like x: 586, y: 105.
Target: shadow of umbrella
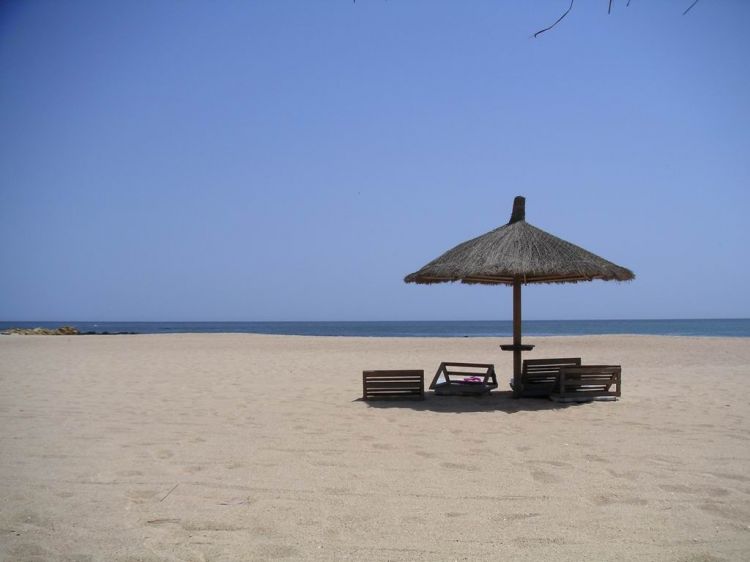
x: 501, y: 401
x: 516, y: 254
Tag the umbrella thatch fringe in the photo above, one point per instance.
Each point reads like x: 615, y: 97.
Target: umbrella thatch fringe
x: 518, y: 250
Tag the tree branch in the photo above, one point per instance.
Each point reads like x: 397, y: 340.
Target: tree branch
x: 690, y: 7
x: 558, y: 20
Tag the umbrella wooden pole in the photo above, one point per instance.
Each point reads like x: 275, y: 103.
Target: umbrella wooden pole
x: 517, y: 337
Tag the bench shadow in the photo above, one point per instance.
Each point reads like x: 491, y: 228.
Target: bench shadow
x: 497, y: 401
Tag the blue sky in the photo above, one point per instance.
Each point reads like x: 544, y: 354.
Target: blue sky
x: 283, y: 160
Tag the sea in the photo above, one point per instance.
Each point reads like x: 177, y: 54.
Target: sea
x: 729, y: 327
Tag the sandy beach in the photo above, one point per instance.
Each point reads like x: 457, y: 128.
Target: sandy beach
x: 248, y: 447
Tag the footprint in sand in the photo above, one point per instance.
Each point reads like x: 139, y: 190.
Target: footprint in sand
x: 425, y: 454
x: 265, y: 531
x: 505, y: 517
x: 663, y: 461
x: 677, y: 488
x: 613, y: 500
x: 738, y: 477
x: 738, y: 437
x: 631, y: 475
x: 482, y: 451
x: 276, y: 551
x: 558, y: 464
x: 712, y: 491
x: 595, y: 458
x: 725, y: 511
x: 544, y: 476
x: 158, y: 522
x: 209, y: 526
x: 325, y: 463
x: 459, y: 466
x: 28, y: 551
x: 79, y: 558
x: 538, y: 541
x: 140, y: 496
x: 34, y: 520
x: 242, y: 500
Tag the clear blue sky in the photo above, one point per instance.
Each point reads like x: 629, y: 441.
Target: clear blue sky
x: 252, y: 160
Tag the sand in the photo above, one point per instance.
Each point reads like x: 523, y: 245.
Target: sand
x: 249, y: 447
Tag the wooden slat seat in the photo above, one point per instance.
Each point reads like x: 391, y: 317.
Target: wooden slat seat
x: 540, y: 377
x: 393, y: 384
x: 464, y: 378
x: 589, y: 381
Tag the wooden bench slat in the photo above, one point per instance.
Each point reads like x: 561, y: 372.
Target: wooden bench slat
x: 394, y: 377
x: 477, y: 365
x: 393, y: 373
x: 554, y: 361
x: 585, y: 393
x: 389, y: 392
x: 386, y: 385
x: 466, y: 374
x: 540, y: 377
x: 589, y: 381
x: 393, y: 384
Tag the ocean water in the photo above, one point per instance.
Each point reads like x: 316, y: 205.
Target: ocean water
x: 503, y: 328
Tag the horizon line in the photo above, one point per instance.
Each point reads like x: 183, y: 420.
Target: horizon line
x: 372, y: 321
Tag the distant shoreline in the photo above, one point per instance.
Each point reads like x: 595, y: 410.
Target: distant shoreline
x: 730, y: 327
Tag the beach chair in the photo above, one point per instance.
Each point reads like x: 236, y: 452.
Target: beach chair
x: 393, y: 384
x: 588, y: 382
x: 464, y: 379
x: 540, y: 377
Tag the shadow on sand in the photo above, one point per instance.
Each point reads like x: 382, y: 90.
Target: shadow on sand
x: 501, y: 401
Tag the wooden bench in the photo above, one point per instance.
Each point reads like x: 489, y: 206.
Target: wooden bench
x: 586, y: 382
x: 393, y: 384
x: 464, y: 379
x: 540, y: 377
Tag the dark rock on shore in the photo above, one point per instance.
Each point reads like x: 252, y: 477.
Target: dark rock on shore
x: 61, y: 331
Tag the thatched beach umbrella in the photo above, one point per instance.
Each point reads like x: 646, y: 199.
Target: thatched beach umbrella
x: 517, y: 254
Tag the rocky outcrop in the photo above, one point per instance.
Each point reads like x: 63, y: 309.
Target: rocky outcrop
x: 61, y: 331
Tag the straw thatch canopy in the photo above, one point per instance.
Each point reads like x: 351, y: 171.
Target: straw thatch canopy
x: 518, y: 251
